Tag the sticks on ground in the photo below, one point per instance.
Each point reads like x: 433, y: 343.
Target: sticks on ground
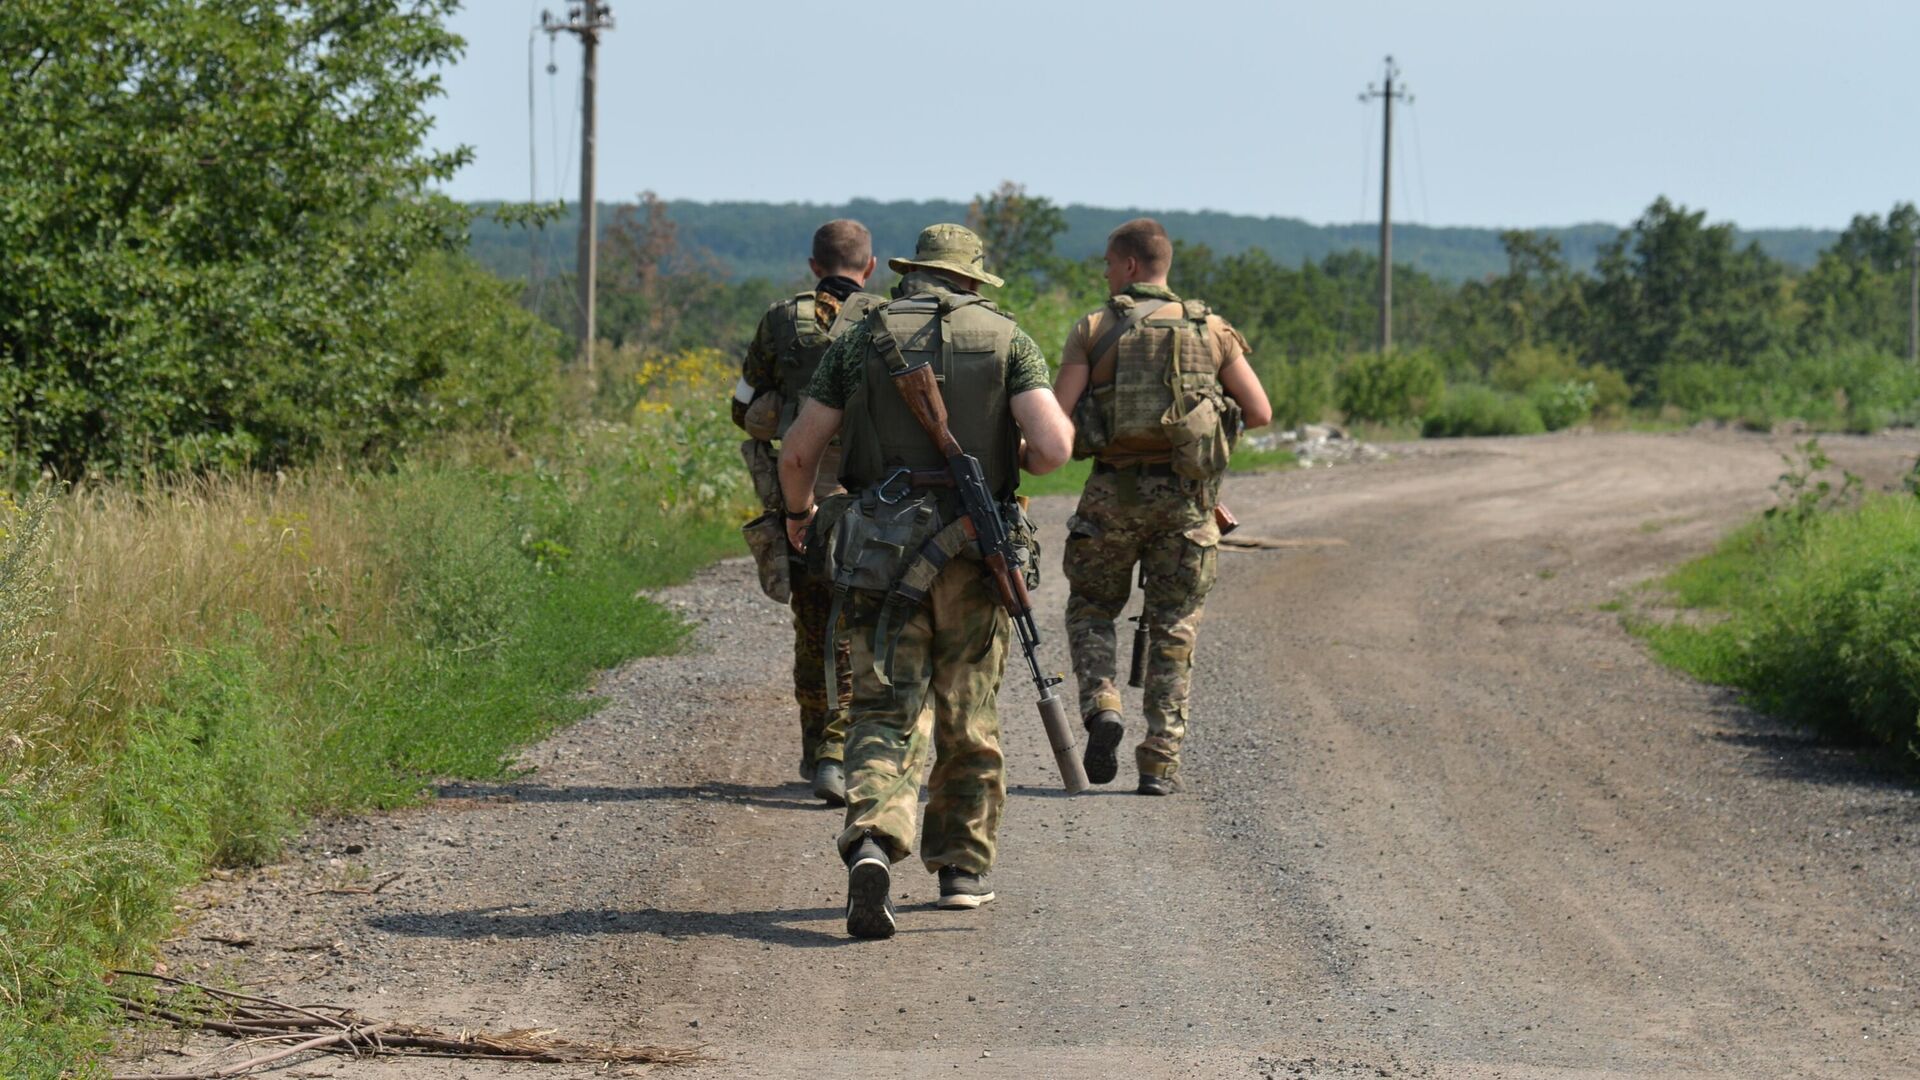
x: 335, y: 1030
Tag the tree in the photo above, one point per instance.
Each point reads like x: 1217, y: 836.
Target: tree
x: 1857, y: 292
x: 1019, y: 231
x: 1673, y: 288
x: 211, y: 210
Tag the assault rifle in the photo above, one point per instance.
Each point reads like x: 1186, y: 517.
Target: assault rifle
x: 1137, y: 670
x: 984, y: 525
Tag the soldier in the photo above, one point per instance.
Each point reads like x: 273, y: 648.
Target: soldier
x: 943, y: 641
x: 1157, y: 387
x: 792, y: 337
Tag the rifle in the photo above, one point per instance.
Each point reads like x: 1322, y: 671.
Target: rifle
x: 1136, y: 671
x: 984, y: 525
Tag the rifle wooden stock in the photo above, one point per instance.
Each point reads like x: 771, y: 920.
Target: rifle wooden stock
x: 1224, y: 518
x: 921, y: 391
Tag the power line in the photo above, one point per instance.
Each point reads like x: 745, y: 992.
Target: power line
x: 586, y: 20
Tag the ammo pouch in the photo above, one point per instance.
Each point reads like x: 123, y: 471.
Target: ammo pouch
x: 762, y: 416
x: 1090, y: 435
x: 763, y: 464
x: 766, y: 538
x: 873, y: 541
x: 1197, y: 437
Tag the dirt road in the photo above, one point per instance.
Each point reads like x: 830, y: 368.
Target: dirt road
x: 1443, y: 818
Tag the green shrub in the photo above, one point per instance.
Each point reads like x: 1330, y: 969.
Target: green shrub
x: 1300, y: 389
x: 1525, y: 365
x: 1611, y: 394
x: 1822, y: 620
x: 1473, y: 409
x: 1387, y: 388
x: 1858, y: 389
x: 1562, y: 404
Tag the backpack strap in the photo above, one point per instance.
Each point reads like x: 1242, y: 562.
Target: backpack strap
x: 1131, y: 318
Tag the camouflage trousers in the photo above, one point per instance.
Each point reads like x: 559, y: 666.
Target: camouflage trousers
x: 823, y: 720
x: 1165, y: 525
x: 948, y: 660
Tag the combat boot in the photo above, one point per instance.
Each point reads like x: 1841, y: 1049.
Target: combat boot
x: 1101, y: 758
x: 962, y: 889
x: 830, y: 782
x: 869, y: 881
x: 1155, y: 785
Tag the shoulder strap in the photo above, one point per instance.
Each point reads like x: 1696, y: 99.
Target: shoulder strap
x: 1139, y: 313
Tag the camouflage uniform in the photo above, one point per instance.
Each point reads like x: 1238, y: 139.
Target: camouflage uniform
x: 823, y: 721
x: 950, y: 652
x: 1134, y: 510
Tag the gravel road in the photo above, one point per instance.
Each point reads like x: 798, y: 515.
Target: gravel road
x: 1443, y: 818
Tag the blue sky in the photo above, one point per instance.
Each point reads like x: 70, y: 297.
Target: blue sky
x: 1764, y: 112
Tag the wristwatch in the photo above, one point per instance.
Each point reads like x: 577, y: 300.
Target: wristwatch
x: 797, y: 515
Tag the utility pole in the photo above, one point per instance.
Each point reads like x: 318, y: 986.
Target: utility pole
x: 1913, y: 303
x: 587, y: 20
x: 1387, y: 95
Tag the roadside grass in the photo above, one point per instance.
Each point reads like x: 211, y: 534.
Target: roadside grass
x: 1816, y: 616
x: 193, y: 669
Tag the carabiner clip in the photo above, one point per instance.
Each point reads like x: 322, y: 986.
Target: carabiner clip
x: 881, y: 490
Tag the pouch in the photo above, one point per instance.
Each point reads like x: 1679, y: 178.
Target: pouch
x: 763, y: 464
x: 762, y: 419
x: 1090, y: 434
x: 766, y: 538
x: 1197, y: 439
x: 874, y: 541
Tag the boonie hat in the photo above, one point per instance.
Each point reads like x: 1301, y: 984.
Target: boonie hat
x: 953, y: 248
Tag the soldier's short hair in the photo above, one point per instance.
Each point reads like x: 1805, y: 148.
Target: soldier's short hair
x: 1145, y: 240
x: 843, y: 244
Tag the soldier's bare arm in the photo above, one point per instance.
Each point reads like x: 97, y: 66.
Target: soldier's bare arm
x: 1237, y: 376
x: 800, y: 453
x: 1075, y: 371
x: 1047, y: 433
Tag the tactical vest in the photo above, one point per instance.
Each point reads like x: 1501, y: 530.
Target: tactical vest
x: 803, y: 343
x: 968, y: 342
x: 1164, y: 349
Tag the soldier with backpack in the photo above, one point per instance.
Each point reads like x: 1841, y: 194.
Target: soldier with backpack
x: 1158, y: 388
x: 792, y: 337
x: 941, y: 401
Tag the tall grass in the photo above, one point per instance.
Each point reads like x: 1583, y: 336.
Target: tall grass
x: 194, y: 667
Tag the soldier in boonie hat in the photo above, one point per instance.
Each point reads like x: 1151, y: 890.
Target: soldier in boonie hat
x: 953, y: 248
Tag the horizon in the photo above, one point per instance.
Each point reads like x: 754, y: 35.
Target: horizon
x: 1150, y: 211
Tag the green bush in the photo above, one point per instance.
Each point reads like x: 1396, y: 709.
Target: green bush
x: 1822, y: 619
x: 1856, y: 389
x: 1562, y: 404
x: 1521, y: 367
x: 1473, y: 409
x: 1301, y: 389
x: 1387, y: 388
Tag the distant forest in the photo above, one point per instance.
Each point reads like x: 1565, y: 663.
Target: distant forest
x: 769, y: 240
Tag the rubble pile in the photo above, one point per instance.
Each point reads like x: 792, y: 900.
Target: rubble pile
x: 1318, y: 444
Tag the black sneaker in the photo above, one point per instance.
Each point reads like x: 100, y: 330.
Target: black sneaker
x: 1155, y: 785
x: 1101, y: 759
x: 869, y: 908
x: 961, y: 889
x: 830, y: 783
